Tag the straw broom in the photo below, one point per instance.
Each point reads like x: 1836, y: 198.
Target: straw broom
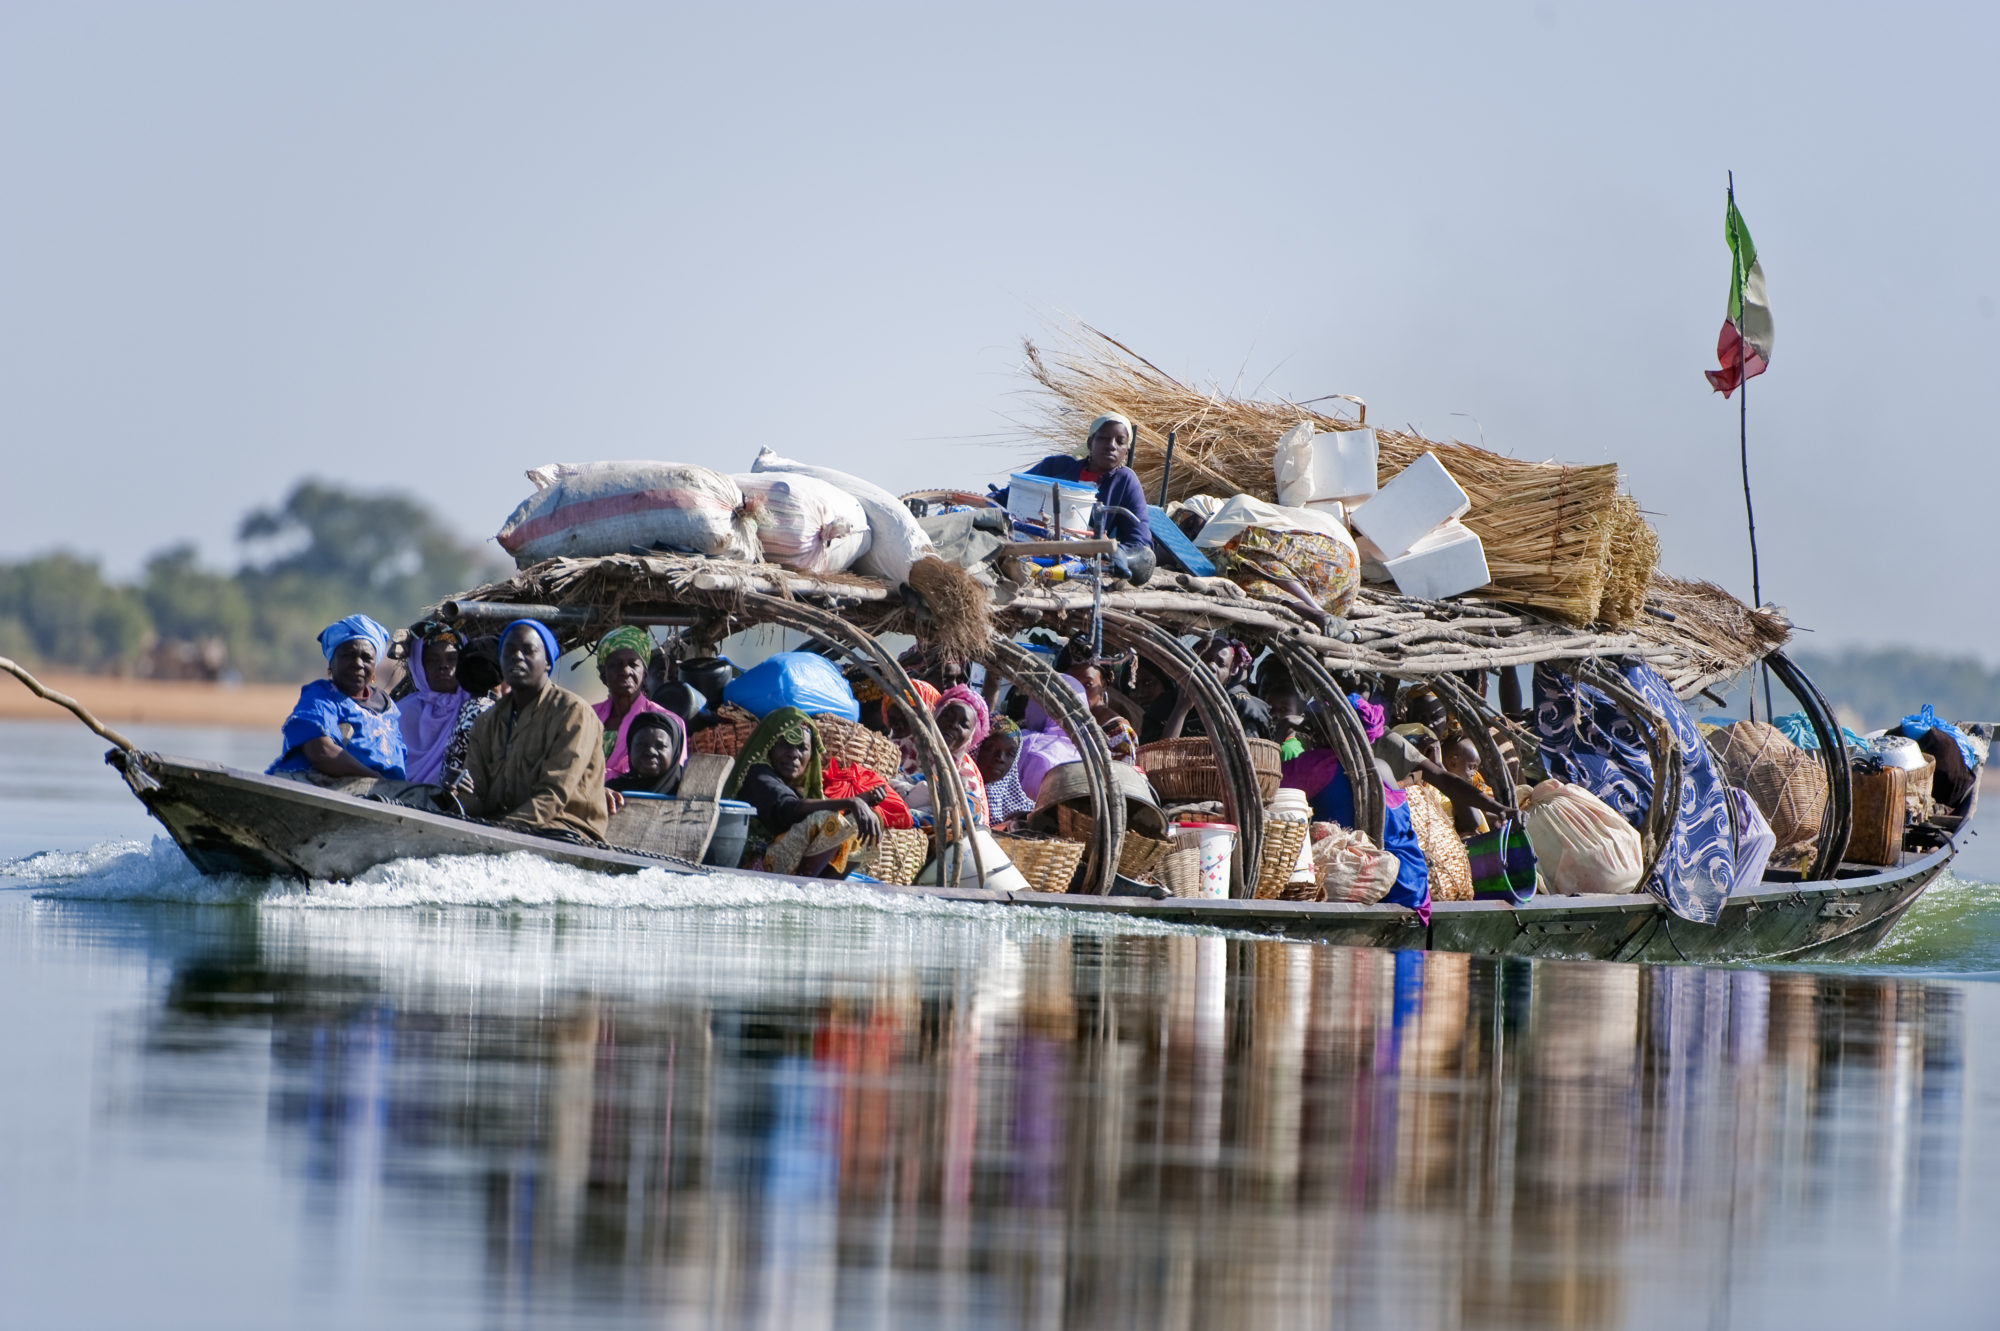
x: 1558, y: 539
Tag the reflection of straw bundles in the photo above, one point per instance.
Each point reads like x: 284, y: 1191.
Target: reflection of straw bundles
x: 1558, y: 539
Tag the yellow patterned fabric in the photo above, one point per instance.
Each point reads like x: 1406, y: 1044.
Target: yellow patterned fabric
x: 1257, y: 558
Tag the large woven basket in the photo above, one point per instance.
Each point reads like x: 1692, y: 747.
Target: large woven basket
x: 1444, y: 854
x: 856, y: 744
x: 1136, y: 858
x: 1786, y: 782
x: 1048, y: 863
x: 1284, y: 838
x: 1180, y: 871
x: 901, y: 852
x: 731, y: 731
x: 1185, y: 771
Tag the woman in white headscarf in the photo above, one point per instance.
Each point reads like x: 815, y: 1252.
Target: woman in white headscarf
x: 1107, y: 464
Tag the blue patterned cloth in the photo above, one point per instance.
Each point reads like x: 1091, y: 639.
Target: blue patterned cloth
x: 1586, y: 739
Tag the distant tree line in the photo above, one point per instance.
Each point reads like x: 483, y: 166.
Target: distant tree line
x: 323, y: 553
x: 1882, y: 685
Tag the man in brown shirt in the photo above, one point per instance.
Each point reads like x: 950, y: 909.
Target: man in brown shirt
x: 536, y: 759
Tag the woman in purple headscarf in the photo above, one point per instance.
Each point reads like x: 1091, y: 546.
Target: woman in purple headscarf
x: 430, y: 711
x: 1044, y: 744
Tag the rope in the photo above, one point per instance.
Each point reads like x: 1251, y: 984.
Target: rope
x: 82, y: 713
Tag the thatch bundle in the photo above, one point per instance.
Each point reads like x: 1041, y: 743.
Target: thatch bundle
x: 1558, y: 539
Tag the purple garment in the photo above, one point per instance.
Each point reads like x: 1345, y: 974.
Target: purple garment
x: 429, y: 718
x: 1044, y: 745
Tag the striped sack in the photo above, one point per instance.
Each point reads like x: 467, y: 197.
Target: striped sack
x: 1503, y: 864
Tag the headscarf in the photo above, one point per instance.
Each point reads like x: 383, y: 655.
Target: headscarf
x: 429, y: 717
x: 541, y: 631
x: 1044, y: 744
x: 1112, y: 418
x: 982, y: 719
x: 926, y: 692
x: 636, y: 721
x: 347, y: 630
x: 624, y: 636
x: 791, y: 726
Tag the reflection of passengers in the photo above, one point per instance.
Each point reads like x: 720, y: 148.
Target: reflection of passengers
x: 536, y: 760
x: 655, y: 754
x: 344, y: 726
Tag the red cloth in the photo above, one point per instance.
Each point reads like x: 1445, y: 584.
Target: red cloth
x: 845, y: 781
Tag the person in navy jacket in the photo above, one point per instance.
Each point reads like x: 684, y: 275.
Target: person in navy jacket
x: 1108, y: 467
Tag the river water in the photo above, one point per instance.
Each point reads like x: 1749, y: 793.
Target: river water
x: 505, y: 1093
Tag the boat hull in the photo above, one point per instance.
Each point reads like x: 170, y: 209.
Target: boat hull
x: 229, y: 821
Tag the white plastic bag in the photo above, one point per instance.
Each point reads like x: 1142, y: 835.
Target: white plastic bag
x: 804, y: 523
x: 608, y: 508
x: 895, y: 541
x: 1292, y: 461
x: 1581, y: 843
x: 1243, y: 511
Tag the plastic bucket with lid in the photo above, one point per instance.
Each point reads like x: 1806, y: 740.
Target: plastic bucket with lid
x: 732, y: 829
x: 1218, y: 844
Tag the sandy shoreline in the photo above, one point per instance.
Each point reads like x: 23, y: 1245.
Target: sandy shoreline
x: 153, y: 701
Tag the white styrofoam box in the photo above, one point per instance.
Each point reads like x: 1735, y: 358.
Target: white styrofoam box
x: 1034, y: 498
x: 1448, y: 562
x: 1343, y: 465
x: 1417, y: 501
x: 1333, y: 508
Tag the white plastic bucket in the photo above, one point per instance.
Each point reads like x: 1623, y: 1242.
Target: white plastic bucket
x: 1218, y: 843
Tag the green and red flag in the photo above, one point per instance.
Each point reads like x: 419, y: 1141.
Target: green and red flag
x: 1744, y: 349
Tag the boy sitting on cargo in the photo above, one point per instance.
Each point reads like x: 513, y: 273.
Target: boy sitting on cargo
x: 536, y: 759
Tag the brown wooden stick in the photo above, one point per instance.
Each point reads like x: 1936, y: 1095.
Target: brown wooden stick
x: 82, y: 713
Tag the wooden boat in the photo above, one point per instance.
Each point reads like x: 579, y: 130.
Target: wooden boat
x: 230, y: 821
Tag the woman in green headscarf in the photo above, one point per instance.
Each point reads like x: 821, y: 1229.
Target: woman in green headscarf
x: 621, y: 665
x: 797, y: 830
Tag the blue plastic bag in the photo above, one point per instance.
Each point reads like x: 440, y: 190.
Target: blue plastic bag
x: 803, y: 680
x: 1928, y: 719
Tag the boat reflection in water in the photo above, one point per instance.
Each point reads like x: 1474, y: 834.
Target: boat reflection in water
x: 799, y: 1118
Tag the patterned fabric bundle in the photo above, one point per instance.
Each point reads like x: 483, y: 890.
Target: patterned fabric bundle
x: 1587, y: 739
x: 1451, y: 871
x: 1258, y: 559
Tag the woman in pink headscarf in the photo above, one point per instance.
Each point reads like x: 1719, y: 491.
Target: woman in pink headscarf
x: 963, y: 721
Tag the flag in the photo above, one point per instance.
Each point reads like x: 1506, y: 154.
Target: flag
x: 1744, y: 349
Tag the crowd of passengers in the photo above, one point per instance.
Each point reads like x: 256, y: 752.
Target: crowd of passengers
x: 477, y: 727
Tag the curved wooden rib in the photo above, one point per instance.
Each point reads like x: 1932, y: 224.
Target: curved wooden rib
x: 1661, y: 745
x: 951, y: 824
x: 1470, y: 711
x: 1838, y: 824
x: 1342, y: 728
x: 1242, y: 800
x: 1033, y: 677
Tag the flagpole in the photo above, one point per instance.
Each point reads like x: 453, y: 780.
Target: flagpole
x: 1743, y: 436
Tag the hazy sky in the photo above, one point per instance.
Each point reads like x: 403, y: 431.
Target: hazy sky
x: 432, y: 246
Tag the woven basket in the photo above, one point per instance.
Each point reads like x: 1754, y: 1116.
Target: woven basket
x: 901, y: 852
x: 1184, y: 771
x: 857, y: 745
x: 1786, y: 782
x: 1048, y: 863
x: 1284, y: 838
x: 1136, y: 858
x: 728, y: 735
x: 1180, y: 871
x: 1444, y: 854
x: 1917, y: 784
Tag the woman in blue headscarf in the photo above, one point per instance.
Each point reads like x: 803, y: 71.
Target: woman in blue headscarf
x: 344, y: 725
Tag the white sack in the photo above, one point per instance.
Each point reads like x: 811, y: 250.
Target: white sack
x: 896, y: 541
x: 1242, y: 511
x: 805, y: 523
x: 607, y: 508
x: 1581, y: 843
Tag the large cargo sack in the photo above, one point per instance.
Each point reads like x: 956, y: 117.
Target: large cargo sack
x: 1582, y: 845
x: 609, y: 508
x: 804, y: 523
x: 1788, y: 783
x: 895, y: 540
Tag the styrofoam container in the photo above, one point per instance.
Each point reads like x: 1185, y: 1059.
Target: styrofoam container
x: 1343, y: 465
x: 1448, y: 562
x: 1032, y: 499
x: 1417, y: 501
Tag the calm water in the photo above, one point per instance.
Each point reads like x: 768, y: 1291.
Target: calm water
x: 503, y: 1093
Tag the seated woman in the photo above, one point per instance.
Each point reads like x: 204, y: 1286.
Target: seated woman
x: 344, y: 726
x: 1119, y: 732
x: 963, y: 721
x: 896, y: 726
x: 535, y: 761
x: 1045, y: 745
x: 431, y: 709
x: 621, y: 666
x: 479, y: 676
x: 1319, y: 773
x: 999, y: 758
x: 655, y: 755
x: 797, y: 829
x: 1107, y: 465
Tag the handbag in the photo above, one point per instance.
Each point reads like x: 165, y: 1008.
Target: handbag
x: 1503, y: 863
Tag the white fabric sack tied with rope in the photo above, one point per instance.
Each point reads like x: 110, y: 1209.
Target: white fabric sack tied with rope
x: 896, y: 541
x: 1582, y: 845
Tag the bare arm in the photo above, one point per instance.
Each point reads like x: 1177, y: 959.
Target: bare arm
x: 326, y: 756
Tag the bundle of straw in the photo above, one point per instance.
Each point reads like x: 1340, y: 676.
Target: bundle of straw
x: 1560, y: 540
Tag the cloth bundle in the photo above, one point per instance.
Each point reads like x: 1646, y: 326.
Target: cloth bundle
x: 1350, y: 866
x: 1581, y: 843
